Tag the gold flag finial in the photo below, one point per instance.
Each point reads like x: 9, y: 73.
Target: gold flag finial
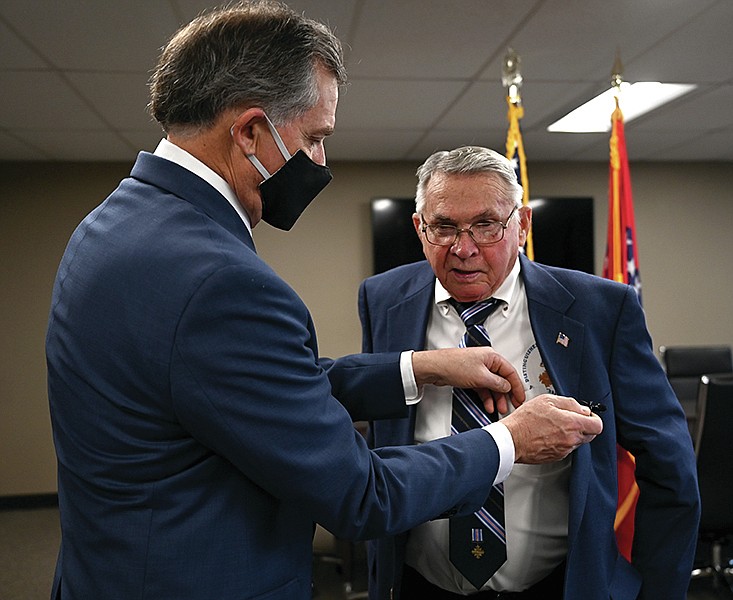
x: 617, y: 73
x: 511, y: 75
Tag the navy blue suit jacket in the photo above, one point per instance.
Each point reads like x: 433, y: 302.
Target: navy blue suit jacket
x: 198, y: 434
x: 609, y: 359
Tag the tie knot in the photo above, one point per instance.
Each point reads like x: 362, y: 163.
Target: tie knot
x: 475, y: 312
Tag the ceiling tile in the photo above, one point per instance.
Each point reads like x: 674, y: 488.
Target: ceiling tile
x: 337, y: 15
x: 448, y: 139
x: 121, y: 36
x: 713, y: 146
x: 15, y: 54
x: 487, y: 100
x: 700, y: 50
x: 12, y: 148
x: 425, y: 74
x: 370, y: 144
x: 710, y: 109
x: 103, y: 91
x: 431, y: 38
x: 577, y: 40
x: 83, y: 145
x: 402, y: 104
x: 565, y: 146
x: 38, y: 100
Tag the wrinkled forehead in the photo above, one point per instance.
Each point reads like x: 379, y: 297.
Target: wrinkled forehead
x: 466, y: 196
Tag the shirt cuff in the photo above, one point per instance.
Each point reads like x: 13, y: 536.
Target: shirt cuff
x: 413, y: 395
x: 505, y: 443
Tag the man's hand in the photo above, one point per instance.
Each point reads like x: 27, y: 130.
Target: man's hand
x: 548, y: 428
x: 481, y: 368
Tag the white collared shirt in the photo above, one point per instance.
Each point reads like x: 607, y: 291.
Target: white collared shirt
x: 536, y: 496
x: 178, y: 155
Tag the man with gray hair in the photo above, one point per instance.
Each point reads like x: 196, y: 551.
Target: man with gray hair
x: 199, y: 434
x: 566, y: 333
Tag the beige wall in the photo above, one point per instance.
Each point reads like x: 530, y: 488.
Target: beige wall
x: 684, y: 215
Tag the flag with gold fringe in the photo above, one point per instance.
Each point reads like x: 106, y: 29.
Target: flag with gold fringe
x: 622, y: 264
x: 515, y: 153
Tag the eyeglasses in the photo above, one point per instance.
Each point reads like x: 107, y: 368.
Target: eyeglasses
x: 482, y: 234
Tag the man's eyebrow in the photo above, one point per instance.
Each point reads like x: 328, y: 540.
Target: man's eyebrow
x: 480, y: 218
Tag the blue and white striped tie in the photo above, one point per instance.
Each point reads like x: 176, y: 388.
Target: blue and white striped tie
x: 478, y: 541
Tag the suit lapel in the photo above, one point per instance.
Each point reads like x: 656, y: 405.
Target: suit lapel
x: 408, y: 319
x: 560, y: 340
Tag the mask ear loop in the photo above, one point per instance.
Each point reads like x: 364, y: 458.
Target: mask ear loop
x: 278, y: 139
x: 280, y: 145
x: 259, y: 166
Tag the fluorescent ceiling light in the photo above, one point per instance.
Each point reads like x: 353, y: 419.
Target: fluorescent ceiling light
x: 635, y: 99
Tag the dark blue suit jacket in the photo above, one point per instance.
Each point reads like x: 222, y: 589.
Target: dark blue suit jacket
x: 197, y: 431
x: 609, y: 359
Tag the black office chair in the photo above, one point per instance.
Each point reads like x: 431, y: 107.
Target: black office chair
x: 714, y: 451
x: 343, y: 554
x: 685, y: 364
x: 348, y: 558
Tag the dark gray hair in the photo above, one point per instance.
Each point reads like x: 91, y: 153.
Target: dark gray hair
x: 256, y: 53
x: 468, y: 160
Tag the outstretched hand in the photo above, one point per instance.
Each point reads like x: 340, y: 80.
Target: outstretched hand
x: 548, y: 428
x: 480, y: 368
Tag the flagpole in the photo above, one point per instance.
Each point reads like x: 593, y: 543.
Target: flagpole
x: 617, y: 272
x: 511, y: 79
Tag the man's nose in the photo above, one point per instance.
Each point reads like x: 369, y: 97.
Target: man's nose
x: 464, y: 245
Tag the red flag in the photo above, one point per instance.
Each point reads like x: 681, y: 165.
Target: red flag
x: 622, y: 260
x: 622, y: 264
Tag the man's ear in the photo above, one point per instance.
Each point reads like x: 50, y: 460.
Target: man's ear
x: 247, y: 128
x: 417, y: 223
x: 525, y: 223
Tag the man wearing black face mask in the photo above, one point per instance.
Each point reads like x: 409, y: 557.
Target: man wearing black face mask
x: 199, y: 435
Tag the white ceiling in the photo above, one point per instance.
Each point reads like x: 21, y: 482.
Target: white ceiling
x: 424, y: 74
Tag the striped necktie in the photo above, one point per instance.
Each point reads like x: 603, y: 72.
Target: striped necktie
x: 478, y: 541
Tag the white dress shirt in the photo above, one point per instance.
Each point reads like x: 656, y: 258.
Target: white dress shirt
x: 536, y: 496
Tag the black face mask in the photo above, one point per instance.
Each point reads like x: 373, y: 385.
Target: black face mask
x: 287, y: 193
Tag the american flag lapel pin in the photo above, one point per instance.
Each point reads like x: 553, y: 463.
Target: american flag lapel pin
x: 562, y: 339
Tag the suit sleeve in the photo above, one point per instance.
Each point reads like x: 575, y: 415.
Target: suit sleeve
x: 369, y: 386
x: 246, y: 382
x: 652, y: 426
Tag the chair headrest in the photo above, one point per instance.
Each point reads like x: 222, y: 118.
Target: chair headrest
x: 690, y: 361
